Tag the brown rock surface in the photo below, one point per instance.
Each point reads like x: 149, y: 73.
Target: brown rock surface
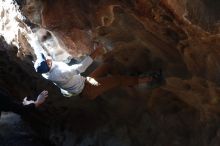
x: 179, y: 36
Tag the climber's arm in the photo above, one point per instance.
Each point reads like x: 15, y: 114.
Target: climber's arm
x: 82, y: 66
x: 38, y: 102
x: 8, y: 105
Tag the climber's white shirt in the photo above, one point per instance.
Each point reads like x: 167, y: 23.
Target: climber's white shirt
x: 68, y: 77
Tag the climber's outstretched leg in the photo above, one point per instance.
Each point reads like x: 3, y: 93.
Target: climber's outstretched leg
x: 91, y: 91
x: 102, y: 71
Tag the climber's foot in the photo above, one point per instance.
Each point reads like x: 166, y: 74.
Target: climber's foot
x: 157, y: 79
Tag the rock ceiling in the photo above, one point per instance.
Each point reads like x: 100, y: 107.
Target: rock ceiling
x: 180, y: 36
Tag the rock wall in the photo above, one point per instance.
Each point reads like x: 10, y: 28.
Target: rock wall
x: 177, y: 36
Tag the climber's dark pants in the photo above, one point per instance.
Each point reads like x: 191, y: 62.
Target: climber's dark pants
x: 106, y: 83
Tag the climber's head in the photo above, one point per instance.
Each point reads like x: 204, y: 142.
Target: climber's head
x: 43, y: 64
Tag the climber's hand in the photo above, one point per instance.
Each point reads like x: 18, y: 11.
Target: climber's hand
x: 92, y: 81
x: 27, y: 102
x: 41, y: 98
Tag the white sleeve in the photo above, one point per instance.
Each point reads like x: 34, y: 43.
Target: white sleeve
x: 82, y: 66
x: 45, y: 76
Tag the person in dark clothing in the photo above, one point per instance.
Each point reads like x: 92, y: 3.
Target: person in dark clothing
x: 7, y: 105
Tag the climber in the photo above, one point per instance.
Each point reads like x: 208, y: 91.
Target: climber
x: 26, y: 106
x: 71, y: 82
